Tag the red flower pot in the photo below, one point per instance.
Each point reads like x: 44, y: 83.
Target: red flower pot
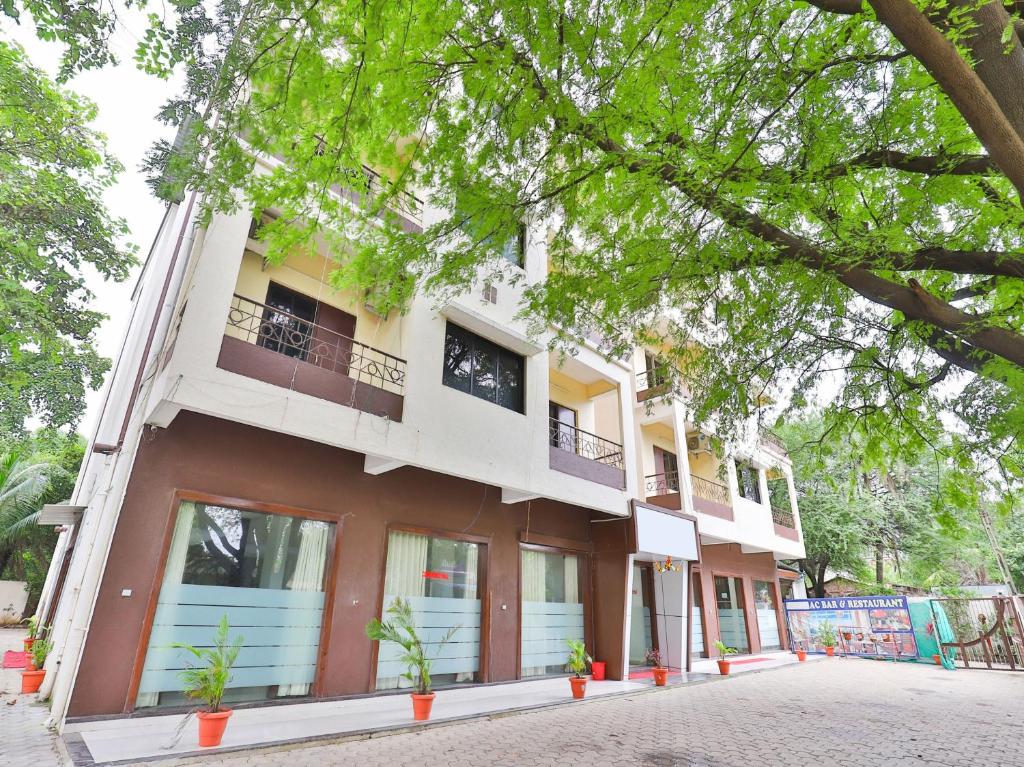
x: 421, y: 705
x: 801, y: 655
x: 212, y: 726
x: 723, y: 667
x: 597, y: 670
x: 579, y: 686
x: 660, y: 675
x: 28, y: 642
x: 31, y: 680
x: 830, y: 651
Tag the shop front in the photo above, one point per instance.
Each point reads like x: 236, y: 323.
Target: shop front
x: 299, y: 548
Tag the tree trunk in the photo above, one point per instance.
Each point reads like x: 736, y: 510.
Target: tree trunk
x: 819, y: 586
x: 879, y: 563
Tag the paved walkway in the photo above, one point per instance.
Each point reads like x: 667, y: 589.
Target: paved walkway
x: 836, y: 712
x: 24, y: 742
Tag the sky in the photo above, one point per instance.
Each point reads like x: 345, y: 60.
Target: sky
x: 127, y: 101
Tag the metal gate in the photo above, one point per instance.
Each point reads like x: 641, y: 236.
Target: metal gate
x: 988, y: 632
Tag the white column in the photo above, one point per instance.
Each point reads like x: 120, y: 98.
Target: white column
x: 682, y: 457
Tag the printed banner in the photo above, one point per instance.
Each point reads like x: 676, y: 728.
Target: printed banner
x: 876, y: 626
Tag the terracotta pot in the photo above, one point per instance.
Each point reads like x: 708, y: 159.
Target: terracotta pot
x: 660, y: 675
x: 723, y: 667
x: 937, y: 659
x: 212, y: 726
x: 830, y: 651
x: 579, y: 686
x: 597, y: 670
x: 421, y: 705
x: 31, y: 680
x: 801, y: 655
x: 28, y: 642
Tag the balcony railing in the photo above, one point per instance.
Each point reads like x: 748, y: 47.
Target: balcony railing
x: 651, y: 379
x: 709, y: 490
x: 783, y: 518
x: 293, y: 336
x: 574, y: 440
x: 662, y: 484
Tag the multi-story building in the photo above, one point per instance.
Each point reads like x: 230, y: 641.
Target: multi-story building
x: 279, y: 452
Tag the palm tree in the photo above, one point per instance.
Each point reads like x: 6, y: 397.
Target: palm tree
x: 22, y: 484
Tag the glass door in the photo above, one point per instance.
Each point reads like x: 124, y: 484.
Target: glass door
x: 641, y: 633
x: 767, y: 615
x: 697, y: 648
x: 551, y: 611
x: 265, y: 574
x: 439, y: 577
x: 732, y: 622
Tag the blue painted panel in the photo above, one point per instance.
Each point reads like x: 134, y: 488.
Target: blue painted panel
x: 189, y: 594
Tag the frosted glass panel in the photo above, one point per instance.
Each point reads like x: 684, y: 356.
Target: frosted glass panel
x: 551, y: 612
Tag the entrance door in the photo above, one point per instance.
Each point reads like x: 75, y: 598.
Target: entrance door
x: 562, y: 426
x: 643, y: 634
x: 697, y: 648
x: 551, y: 609
x: 732, y: 622
x: 767, y: 615
x: 667, y: 464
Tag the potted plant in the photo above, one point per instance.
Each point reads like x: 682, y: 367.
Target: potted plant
x: 401, y: 630
x: 33, y: 628
x: 725, y: 651
x: 32, y: 676
x: 207, y: 680
x: 653, y: 658
x: 847, y: 635
x: 577, y: 663
x: 827, y: 637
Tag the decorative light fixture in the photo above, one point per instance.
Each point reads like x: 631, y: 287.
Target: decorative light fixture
x: 668, y: 566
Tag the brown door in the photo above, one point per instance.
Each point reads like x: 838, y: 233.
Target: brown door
x: 332, y: 340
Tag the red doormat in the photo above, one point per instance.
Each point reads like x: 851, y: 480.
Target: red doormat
x: 15, y: 659
x: 649, y: 674
x: 748, y: 660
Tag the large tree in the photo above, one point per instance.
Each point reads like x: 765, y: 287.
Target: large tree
x: 815, y: 190
x: 53, y: 227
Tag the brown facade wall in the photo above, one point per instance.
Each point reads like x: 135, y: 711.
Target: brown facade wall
x: 728, y: 560
x: 210, y: 456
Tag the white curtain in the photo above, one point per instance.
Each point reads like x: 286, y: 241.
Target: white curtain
x: 572, y: 577
x: 173, y: 572
x: 534, y: 586
x: 308, y: 576
x: 407, y: 559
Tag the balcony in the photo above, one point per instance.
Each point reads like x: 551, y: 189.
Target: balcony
x: 582, y: 454
x: 785, y: 524
x: 267, y: 344
x: 652, y: 383
x: 711, y: 497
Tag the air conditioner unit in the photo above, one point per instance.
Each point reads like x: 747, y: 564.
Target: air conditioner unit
x: 699, y: 443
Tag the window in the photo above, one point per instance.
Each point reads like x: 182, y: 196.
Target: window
x: 439, y: 577
x: 287, y: 322
x: 748, y: 480
x: 476, y: 366
x: 732, y: 619
x: 552, y: 610
x: 514, y: 249
x: 767, y: 615
x: 667, y: 465
x: 265, y: 573
x: 778, y: 490
x: 657, y: 370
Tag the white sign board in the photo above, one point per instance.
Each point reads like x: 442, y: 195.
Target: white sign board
x: 664, y: 534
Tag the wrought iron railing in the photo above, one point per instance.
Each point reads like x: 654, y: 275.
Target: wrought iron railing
x: 709, y: 490
x: 574, y: 440
x: 651, y: 379
x: 662, y: 484
x: 294, y: 336
x: 783, y: 518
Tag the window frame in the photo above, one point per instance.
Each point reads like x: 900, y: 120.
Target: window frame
x: 742, y: 469
x: 500, y: 353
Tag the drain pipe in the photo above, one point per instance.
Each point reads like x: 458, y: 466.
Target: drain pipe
x: 96, y: 548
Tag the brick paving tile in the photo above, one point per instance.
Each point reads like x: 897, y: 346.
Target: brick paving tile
x: 24, y: 741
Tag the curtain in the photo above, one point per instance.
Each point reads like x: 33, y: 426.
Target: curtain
x: 534, y: 588
x: 572, y: 578
x: 173, y: 572
x: 407, y: 559
x: 307, y: 576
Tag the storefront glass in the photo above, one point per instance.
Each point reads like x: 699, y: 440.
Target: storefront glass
x: 767, y: 615
x: 552, y: 610
x: 440, y: 579
x: 265, y: 573
x: 732, y: 623
x: 697, y: 648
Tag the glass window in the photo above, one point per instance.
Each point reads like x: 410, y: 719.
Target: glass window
x: 476, y: 366
x: 552, y: 610
x: 439, y: 577
x: 732, y: 621
x: 748, y: 480
x: 265, y: 572
x: 287, y: 322
x: 767, y: 615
